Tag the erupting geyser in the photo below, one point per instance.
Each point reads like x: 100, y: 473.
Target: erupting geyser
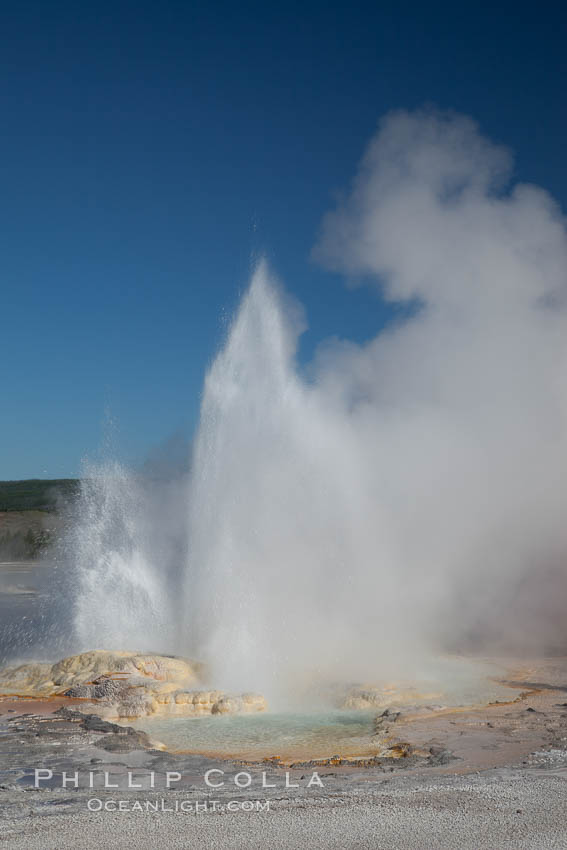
x: 395, y: 497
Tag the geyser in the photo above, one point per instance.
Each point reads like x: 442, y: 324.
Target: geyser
x: 345, y: 520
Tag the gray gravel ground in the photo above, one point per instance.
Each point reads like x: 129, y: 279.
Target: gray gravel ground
x: 506, y: 808
x: 468, y: 801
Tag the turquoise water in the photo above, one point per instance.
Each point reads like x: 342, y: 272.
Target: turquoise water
x: 256, y: 736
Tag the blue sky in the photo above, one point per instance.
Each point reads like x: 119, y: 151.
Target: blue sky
x: 150, y: 150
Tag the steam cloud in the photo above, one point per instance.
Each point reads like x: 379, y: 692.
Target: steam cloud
x: 408, y: 496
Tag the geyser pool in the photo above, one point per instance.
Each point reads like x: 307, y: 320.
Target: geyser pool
x: 325, y: 732
x: 288, y: 735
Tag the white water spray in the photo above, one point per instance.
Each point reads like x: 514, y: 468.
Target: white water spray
x: 285, y: 545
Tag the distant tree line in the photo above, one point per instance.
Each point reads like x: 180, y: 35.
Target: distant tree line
x: 36, y: 494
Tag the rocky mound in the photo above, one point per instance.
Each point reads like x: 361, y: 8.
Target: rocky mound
x: 127, y: 685
x: 364, y: 697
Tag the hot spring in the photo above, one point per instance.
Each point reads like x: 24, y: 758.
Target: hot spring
x: 323, y: 732
x: 353, y: 519
x: 271, y: 562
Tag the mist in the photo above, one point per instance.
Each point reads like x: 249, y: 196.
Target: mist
x: 348, y: 519
x: 465, y: 402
